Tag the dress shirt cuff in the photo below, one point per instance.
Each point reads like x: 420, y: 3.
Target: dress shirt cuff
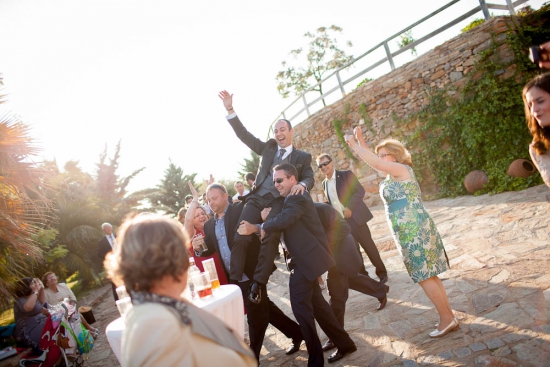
x: 231, y: 115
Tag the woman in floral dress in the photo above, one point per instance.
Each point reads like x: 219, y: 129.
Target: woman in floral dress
x: 412, y: 228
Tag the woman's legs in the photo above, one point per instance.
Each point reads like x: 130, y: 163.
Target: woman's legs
x: 436, y: 293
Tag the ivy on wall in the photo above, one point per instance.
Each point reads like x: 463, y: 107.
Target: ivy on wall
x: 481, y: 126
x: 338, y: 123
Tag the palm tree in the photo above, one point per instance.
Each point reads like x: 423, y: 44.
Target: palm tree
x: 22, y: 203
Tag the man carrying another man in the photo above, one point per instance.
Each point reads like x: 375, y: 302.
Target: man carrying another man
x: 263, y: 193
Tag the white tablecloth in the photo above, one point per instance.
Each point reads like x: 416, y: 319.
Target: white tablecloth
x: 226, y: 304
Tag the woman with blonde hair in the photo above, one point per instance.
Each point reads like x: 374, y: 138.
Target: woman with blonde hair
x: 536, y: 98
x: 162, y: 329
x: 57, y: 292
x: 194, y: 221
x: 411, y: 226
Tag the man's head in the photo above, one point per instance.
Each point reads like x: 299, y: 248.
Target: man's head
x: 284, y: 178
x: 249, y: 178
x: 107, y: 228
x: 283, y: 131
x: 239, y: 186
x: 325, y: 164
x: 216, y: 196
x: 188, y: 199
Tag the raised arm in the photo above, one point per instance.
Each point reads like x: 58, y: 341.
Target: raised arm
x: 398, y: 171
x: 190, y: 215
x: 255, y: 144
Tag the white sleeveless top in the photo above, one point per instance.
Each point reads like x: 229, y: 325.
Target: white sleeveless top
x: 542, y: 162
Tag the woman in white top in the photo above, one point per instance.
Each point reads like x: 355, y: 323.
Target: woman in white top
x: 162, y: 329
x: 57, y: 292
x: 536, y: 97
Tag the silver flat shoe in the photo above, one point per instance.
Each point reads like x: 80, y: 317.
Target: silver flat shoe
x: 453, y: 325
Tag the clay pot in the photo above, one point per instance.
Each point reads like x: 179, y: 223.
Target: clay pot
x: 521, y: 168
x: 475, y: 180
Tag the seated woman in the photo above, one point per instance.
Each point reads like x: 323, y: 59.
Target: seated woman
x: 163, y: 329
x: 30, y: 313
x: 194, y: 226
x: 57, y: 292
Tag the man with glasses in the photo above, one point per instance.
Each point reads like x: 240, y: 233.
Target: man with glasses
x: 345, y: 194
x: 309, y: 257
x: 263, y: 193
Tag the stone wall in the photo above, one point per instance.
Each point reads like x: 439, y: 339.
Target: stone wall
x: 396, y: 95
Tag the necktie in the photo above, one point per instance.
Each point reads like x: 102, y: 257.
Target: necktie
x: 281, y: 154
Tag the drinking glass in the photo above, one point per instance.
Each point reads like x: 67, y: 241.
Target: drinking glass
x: 210, y: 267
x: 203, y: 287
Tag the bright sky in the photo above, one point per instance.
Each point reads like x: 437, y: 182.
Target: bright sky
x: 84, y: 74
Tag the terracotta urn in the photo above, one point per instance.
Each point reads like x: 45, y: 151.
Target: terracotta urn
x: 521, y: 168
x: 475, y: 180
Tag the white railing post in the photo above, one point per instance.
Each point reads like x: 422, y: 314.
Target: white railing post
x: 340, y: 84
x: 510, y: 7
x: 388, y: 54
x: 284, y: 116
x: 305, y: 104
x: 484, y: 9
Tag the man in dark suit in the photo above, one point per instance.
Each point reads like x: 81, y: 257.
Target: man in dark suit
x: 219, y: 237
x: 310, y: 256
x: 105, y: 245
x: 346, y: 274
x: 345, y: 194
x: 263, y: 193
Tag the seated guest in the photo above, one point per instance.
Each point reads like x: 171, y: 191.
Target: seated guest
x: 194, y: 226
x: 162, y: 329
x: 30, y: 313
x: 57, y: 292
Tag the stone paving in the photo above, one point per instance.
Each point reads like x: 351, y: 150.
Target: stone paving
x: 499, y: 285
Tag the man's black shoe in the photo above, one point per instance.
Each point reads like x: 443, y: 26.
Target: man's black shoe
x: 336, y: 356
x: 255, y: 295
x: 383, y: 278
x: 328, y: 345
x: 294, y: 347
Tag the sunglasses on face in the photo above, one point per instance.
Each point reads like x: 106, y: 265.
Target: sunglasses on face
x: 383, y: 155
x: 321, y: 165
x: 278, y: 181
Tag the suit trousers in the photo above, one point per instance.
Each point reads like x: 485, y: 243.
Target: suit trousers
x: 361, y: 233
x: 309, y: 305
x: 338, y: 285
x: 270, y: 244
x: 259, y: 316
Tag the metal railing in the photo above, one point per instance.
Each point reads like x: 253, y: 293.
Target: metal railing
x: 482, y: 7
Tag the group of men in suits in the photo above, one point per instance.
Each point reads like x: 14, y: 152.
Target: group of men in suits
x: 316, y: 239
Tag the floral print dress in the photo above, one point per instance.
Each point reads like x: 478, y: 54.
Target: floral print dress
x: 413, y: 229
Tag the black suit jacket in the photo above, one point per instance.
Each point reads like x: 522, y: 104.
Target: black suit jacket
x: 231, y: 221
x: 350, y: 193
x: 304, y: 236
x: 298, y: 158
x: 348, y: 260
x: 103, y: 247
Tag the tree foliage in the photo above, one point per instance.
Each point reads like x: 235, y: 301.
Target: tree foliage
x: 250, y: 165
x: 23, y: 205
x: 169, y: 195
x: 323, y: 55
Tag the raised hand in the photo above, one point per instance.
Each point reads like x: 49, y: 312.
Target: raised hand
x: 193, y: 192
x: 350, y: 140
x: 210, y: 180
x: 227, y: 99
